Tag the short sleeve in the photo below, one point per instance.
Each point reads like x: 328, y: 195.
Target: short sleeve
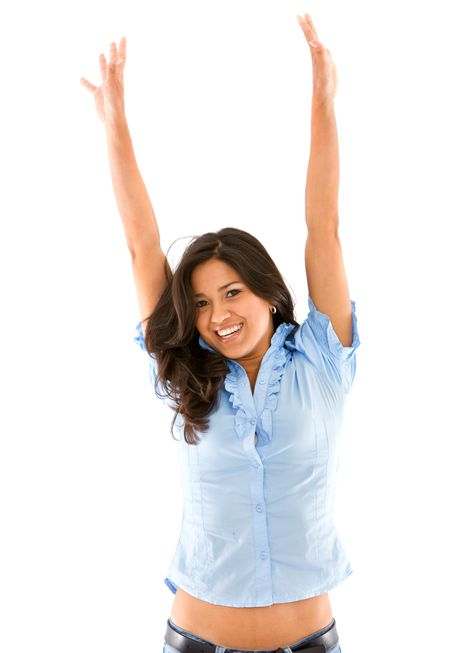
x: 317, y: 339
x: 139, y: 336
x: 153, y: 365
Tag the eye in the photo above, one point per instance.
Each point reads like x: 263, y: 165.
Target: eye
x: 236, y: 290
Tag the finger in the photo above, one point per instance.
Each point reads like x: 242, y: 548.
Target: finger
x: 317, y: 46
x: 102, y: 61
x: 112, y: 67
x: 112, y: 52
x: 312, y: 28
x: 90, y: 87
x: 309, y: 32
x: 123, y: 47
x: 309, y: 20
x: 305, y: 26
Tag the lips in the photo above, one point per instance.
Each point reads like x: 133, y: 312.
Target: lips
x: 233, y: 336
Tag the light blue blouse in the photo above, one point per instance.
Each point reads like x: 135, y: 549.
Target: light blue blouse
x: 257, y: 524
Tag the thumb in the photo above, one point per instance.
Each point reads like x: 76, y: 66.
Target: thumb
x: 318, y: 46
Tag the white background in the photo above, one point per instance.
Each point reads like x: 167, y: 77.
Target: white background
x: 218, y: 104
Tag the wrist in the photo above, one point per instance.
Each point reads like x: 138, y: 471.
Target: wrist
x: 115, y: 120
x: 322, y: 104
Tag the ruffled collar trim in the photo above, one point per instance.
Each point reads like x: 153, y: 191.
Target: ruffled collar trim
x: 247, y: 421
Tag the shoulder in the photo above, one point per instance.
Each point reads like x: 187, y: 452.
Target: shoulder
x: 316, y: 340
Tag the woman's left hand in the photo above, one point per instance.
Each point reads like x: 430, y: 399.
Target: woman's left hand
x: 324, y: 69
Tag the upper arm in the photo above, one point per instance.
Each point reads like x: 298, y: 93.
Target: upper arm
x: 329, y: 336
x: 327, y: 282
x: 151, y: 275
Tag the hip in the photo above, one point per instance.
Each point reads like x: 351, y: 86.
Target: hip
x: 251, y: 628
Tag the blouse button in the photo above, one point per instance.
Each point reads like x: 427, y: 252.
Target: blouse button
x: 256, y: 464
x: 263, y: 555
x: 259, y: 507
x: 263, y: 380
x: 253, y: 420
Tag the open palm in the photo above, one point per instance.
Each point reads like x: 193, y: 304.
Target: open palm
x: 109, y: 96
x: 324, y: 69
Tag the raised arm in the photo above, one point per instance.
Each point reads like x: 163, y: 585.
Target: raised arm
x: 325, y: 272
x: 133, y: 201
x: 150, y: 268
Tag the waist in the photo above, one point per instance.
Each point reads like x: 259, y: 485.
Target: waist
x: 265, y: 627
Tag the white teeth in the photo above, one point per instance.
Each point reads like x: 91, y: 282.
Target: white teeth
x: 229, y: 331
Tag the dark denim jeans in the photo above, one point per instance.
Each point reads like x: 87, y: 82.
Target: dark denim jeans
x: 220, y: 649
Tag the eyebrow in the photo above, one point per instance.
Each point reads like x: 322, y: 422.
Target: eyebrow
x: 198, y: 294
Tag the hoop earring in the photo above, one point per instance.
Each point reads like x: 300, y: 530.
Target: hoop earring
x: 273, y: 309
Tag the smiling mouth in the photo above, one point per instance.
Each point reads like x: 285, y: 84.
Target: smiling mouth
x: 232, y: 336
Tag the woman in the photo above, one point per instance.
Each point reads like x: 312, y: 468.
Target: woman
x: 258, y: 399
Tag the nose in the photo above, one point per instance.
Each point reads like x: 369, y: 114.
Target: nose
x: 219, y: 316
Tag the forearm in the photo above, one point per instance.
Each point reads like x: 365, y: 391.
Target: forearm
x: 133, y: 201
x: 322, y: 183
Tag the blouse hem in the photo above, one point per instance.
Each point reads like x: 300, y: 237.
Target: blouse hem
x: 277, y: 598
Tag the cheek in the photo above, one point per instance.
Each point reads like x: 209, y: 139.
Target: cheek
x: 200, y: 322
x: 256, y: 307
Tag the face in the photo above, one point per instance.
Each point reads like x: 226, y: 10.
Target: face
x: 219, y: 307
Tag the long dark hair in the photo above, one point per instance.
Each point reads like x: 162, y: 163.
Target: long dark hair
x: 189, y: 374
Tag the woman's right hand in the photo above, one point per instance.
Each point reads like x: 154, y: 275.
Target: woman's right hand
x: 109, y: 97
